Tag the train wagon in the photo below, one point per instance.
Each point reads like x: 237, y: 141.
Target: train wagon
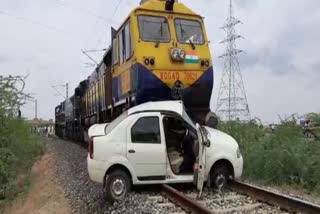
x: 160, y: 52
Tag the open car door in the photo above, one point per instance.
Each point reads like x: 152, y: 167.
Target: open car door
x: 199, y: 170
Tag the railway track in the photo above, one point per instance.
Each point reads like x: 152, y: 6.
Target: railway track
x: 242, y: 198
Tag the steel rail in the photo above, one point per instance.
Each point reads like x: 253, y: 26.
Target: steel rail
x: 185, y: 202
x: 283, y: 201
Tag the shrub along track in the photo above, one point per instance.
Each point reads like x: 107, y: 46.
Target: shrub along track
x: 244, y: 198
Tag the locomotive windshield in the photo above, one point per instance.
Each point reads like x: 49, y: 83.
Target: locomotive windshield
x: 154, y: 29
x: 189, y: 31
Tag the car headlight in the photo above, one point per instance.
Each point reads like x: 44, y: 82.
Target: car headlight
x: 238, y: 153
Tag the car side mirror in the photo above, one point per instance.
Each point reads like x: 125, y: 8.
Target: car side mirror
x: 207, y: 143
x: 211, y: 120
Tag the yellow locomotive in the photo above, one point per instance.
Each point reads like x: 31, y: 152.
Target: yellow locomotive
x: 160, y: 52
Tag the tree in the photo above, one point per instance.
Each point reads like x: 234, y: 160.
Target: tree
x: 12, y: 95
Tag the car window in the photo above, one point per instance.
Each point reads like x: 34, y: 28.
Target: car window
x: 115, y: 122
x: 146, y: 130
x: 177, y: 127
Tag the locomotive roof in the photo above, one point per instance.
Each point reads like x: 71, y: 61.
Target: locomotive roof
x: 159, y: 6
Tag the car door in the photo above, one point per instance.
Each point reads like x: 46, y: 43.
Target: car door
x: 146, y: 147
x: 199, y: 172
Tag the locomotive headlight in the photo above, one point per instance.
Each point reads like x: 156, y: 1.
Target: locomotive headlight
x: 178, y: 54
x: 182, y: 54
x: 175, y: 54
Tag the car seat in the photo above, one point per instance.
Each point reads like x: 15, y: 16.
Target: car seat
x: 175, y: 159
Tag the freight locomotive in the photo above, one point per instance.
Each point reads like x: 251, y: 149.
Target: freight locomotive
x: 160, y: 52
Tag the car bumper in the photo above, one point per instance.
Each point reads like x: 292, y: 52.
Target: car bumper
x: 95, y: 172
x: 238, y: 167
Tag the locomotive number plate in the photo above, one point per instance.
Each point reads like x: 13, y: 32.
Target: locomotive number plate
x: 179, y: 75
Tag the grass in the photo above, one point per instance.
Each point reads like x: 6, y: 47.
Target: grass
x: 284, y: 157
x: 18, y: 151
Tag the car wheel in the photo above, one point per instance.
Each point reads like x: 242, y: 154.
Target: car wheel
x: 117, y: 185
x: 219, y: 177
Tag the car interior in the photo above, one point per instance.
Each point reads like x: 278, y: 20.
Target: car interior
x: 180, y: 141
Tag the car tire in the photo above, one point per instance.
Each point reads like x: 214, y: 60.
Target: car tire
x: 117, y: 185
x: 219, y: 177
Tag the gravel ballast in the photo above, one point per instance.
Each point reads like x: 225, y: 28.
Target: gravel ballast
x: 85, y: 196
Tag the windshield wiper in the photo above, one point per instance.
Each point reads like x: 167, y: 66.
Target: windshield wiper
x: 192, y: 44
x: 161, y: 35
x: 157, y: 44
x: 183, y: 33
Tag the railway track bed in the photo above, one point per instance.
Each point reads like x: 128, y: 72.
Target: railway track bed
x: 241, y: 198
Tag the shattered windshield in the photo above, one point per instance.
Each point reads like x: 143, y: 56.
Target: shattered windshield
x: 154, y: 29
x: 189, y: 31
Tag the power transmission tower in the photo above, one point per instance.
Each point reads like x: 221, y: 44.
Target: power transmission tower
x: 232, y: 100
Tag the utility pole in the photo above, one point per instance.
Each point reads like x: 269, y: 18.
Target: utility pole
x: 95, y: 63
x: 66, y: 96
x: 232, y: 101
x: 36, y: 108
x: 67, y: 90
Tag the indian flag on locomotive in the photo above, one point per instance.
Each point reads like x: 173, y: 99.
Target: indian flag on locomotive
x: 192, y: 58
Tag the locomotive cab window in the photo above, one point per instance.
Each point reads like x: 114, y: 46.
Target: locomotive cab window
x: 189, y: 31
x: 125, y: 44
x: 115, y: 53
x: 154, y: 29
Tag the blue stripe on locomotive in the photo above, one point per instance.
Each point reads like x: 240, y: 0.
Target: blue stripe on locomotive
x: 148, y: 87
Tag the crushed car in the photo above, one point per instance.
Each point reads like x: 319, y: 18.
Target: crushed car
x: 157, y: 143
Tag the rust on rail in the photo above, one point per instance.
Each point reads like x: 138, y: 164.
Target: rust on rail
x: 185, y: 202
x: 276, y: 199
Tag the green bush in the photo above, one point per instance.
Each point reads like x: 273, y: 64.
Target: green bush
x: 282, y: 157
x: 18, y: 147
x: 18, y: 151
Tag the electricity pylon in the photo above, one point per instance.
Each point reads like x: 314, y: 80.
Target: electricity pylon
x: 232, y: 101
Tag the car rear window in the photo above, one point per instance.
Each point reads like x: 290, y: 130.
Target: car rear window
x: 116, y: 122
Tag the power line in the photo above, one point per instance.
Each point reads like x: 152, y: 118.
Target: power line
x: 24, y: 19
x: 86, y: 11
x: 116, y: 9
x: 114, y: 13
x: 66, y: 86
x: 40, y: 24
x: 67, y: 35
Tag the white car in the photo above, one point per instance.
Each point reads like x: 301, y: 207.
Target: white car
x: 157, y: 143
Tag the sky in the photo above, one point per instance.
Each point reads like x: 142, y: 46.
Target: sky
x: 281, y: 66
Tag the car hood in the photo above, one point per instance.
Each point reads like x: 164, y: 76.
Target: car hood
x: 97, y: 130
x: 218, y: 137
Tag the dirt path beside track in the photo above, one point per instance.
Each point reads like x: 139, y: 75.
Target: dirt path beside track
x: 45, y: 195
